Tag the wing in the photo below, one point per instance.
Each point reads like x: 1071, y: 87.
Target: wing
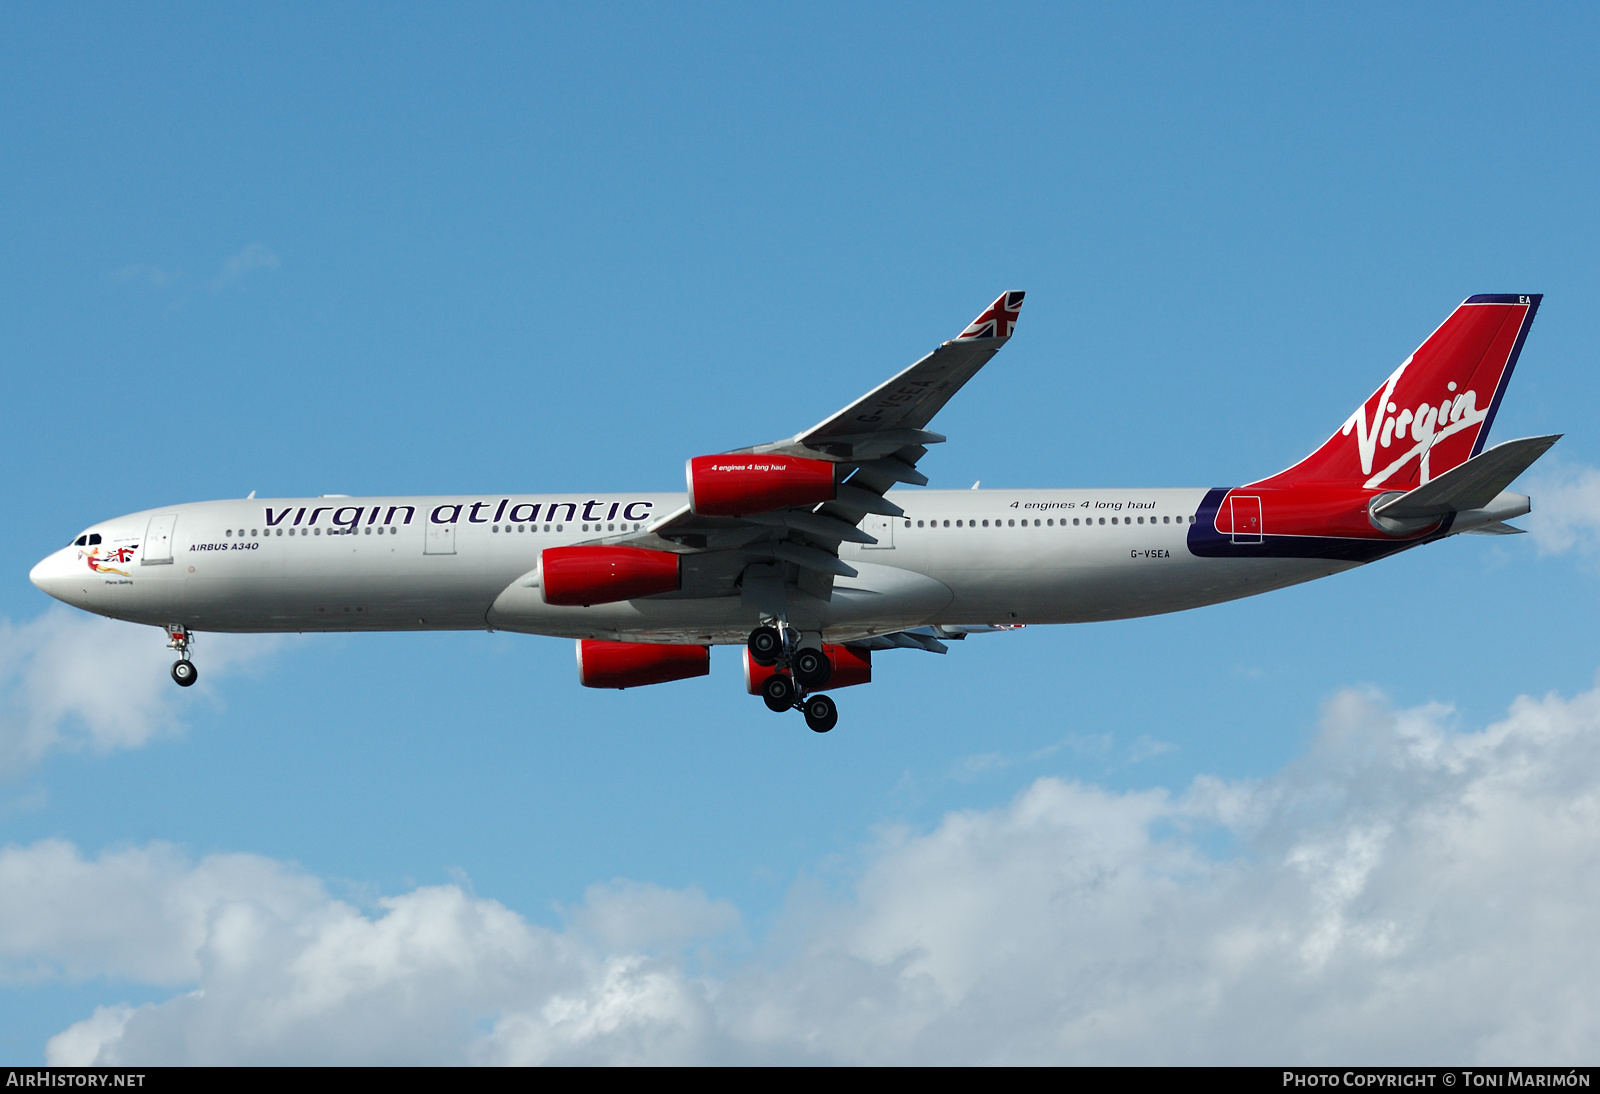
x: 874, y: 443
x: 889, y: 420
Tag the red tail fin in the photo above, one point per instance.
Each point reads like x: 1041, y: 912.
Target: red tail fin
x: 1434, y: 412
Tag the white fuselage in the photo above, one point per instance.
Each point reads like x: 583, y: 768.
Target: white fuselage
x: 463, y: 563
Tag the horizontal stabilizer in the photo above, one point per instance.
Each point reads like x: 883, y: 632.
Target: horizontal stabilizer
x: 1471, y: 485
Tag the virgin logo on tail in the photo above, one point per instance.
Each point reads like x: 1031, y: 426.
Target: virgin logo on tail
x: 1434, y: 410
x: 1427, y: 424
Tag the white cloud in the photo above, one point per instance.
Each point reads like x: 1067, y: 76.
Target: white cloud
x: 629, y: 915
x: 153, y: 277
x: 253, y: 258
x: 145, y: 914
x: 1147, y: 747
x: 1402, y: 893
x: 74, y: 681
x: 1566, y: 508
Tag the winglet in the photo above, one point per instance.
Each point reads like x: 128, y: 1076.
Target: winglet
x: 998, y: 321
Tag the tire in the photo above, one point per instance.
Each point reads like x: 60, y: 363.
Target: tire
x: 184, y: 674
x: 812, y: 668
x: 765, y: 645
x: 778, y: 693
x: 821, y: 714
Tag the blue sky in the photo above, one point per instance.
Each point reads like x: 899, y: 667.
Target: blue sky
x: 384, y: 249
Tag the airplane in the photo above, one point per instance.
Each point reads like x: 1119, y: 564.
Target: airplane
x: 810, y: 552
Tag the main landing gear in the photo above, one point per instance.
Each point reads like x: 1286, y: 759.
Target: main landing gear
x: 821, y: 714
x: 799, y: 671
x: 184, y: 672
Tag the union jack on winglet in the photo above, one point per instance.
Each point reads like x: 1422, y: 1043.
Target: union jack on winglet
x: 997, y: 321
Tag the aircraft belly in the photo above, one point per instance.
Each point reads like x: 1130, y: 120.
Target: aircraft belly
x: 1098, y: 585
x: 880, y: 599
x: 1123, y: 589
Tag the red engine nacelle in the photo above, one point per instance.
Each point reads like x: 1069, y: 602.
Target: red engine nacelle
x: 850, y: 667
x: 601, y: 575
x: 731, y: 486
x: 635, y: 664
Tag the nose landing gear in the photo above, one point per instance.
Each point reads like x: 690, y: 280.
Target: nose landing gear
x: 798, y: 672
x: 184, y: 672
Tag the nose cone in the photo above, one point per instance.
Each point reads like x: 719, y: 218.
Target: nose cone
x: 56, y: 575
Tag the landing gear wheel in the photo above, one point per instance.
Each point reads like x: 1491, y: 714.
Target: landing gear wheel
x: 184, y: 674
x: 821, y: 714
x: 765, y: 645
x: 812, y: 667
x: 778, y: 693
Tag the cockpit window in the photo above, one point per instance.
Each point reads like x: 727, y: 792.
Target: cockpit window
x: 81, y: 541
x: 94, y: 537
x: 87, y: 540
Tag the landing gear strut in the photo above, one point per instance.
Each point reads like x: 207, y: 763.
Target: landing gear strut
x: 184, y: 673
x: 800, y: 671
